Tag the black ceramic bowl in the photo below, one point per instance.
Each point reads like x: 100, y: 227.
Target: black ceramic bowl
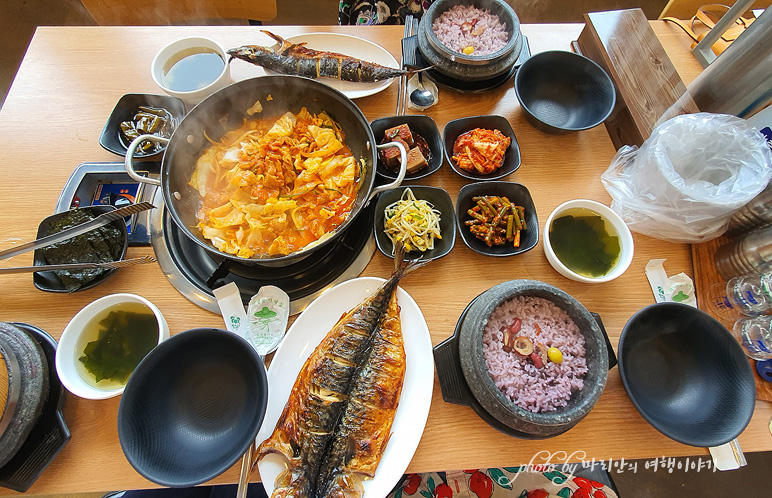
x: 438, y: 198
x: 192, y: 407
x: 517, y: 194
x: 48, y: 280
x: 462, y: 125
x: 420, y: 124
x: 686, y: 374
x: 492, y: 400
x: 562, y: 92
x: 473, y: 67
x: 112, y: 139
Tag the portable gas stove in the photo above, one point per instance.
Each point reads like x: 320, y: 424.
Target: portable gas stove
x: 195, y: 272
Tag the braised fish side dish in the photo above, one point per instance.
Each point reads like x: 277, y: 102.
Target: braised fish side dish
x: 337, y: 419
x: 299, y: 60
x: 274, y: 187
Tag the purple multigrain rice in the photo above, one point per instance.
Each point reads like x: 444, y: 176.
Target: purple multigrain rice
x: 448, y: 28
x: 533, y: 389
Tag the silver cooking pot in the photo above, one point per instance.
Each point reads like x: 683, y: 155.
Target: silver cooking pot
x: 224, y: 111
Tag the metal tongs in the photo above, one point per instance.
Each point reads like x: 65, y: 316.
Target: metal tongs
x: 101, y: 220
x: 111, y: 265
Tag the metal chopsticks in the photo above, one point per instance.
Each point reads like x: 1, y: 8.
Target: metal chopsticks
x: 402, y: 91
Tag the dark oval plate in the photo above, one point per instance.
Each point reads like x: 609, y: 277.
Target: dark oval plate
x: 47, y: 280
x: 517, y: 194
x: 420, y: 124
x: 456, y: 127
x: 111, y: 138
x: 441, y: 201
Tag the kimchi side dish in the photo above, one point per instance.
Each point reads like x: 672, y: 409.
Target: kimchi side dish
x: 271, y: 188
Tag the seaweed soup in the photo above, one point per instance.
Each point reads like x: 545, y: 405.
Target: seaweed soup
x: 585, y: 242
x: 113, y: 343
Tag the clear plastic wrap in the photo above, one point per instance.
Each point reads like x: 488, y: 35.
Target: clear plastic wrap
x: 689, y: 176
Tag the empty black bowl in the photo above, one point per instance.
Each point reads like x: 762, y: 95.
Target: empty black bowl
x: 518, y: 195
x: 48, y: 280
x: 462, y: 125
x: 112, y: 139
x: 686, y: 374
x: 562, y: 92
x: 192, y: 407
x: 420, y: 124
x: 438, y: 198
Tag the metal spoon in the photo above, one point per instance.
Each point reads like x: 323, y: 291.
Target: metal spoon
x: 421, y: 97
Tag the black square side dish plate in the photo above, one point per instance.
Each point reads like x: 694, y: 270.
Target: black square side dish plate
x: 517, y: 194
x: 462, y: 125
x: 438, y: 198
x: 125, y: 109
x: 421, y: 125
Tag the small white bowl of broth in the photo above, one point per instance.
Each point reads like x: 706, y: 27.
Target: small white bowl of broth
x: 587, y: 242
x: 105, y: 341
x: 191, y: 69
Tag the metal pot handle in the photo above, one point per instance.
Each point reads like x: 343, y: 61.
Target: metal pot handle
x: 402, y: 169
x: 129, y: 164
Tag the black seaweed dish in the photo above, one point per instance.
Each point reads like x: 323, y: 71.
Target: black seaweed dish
x: 101, y: 245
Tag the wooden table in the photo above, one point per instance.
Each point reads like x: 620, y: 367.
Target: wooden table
x: 66, y: 87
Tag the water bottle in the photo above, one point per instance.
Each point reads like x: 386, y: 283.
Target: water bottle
x: 749, y: 253
x: 748, y: 295
x: 755, y: 336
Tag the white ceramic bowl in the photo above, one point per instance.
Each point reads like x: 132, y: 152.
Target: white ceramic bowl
x: 625, y: 241
x: 172, y: 51
x: 71, y: 371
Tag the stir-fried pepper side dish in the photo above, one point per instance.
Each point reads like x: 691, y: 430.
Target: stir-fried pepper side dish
x: 413, y: 222
x: 274, y: 187
x: 496, y: 221
x: 148, y: 121
x: 480, y: 150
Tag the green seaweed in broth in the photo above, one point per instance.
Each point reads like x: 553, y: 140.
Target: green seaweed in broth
x: 585, y: 242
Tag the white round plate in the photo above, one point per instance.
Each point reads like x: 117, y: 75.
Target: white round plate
x: 354, y: 47
x: 308, y: 331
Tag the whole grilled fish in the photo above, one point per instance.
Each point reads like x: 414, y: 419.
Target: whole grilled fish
x: 365, y: 425
x: 307, y: 426
x: 299, y: 60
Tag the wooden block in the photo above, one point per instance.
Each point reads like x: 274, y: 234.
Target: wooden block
x: 647, y: 84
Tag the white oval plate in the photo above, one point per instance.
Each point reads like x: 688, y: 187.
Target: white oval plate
x: 354, y: 47
x: 308, y: 331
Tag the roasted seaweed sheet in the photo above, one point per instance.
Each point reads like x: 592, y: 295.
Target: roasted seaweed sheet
x: 101, y: 245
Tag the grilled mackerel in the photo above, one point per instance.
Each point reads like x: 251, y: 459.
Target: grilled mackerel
x: 299, y: 60
x: 315, y: 432
x: 365, y: 426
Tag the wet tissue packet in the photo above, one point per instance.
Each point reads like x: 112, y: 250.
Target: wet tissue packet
x: 678, y: 288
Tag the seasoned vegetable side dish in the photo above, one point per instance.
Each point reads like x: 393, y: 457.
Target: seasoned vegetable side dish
x: 148, y: 121
x: 534, y: 353
x: 274, y: 187
x: 412, y: 222
x: 480, y: 151
x: 338, y: 418
x: 496, y: 221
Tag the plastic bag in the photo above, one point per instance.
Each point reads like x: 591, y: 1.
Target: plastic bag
x: 689, y: 176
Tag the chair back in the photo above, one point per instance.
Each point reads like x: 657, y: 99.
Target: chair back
x: 164, y: 12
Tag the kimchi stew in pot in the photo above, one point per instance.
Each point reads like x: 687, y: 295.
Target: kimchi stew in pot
x: 276, y: 186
